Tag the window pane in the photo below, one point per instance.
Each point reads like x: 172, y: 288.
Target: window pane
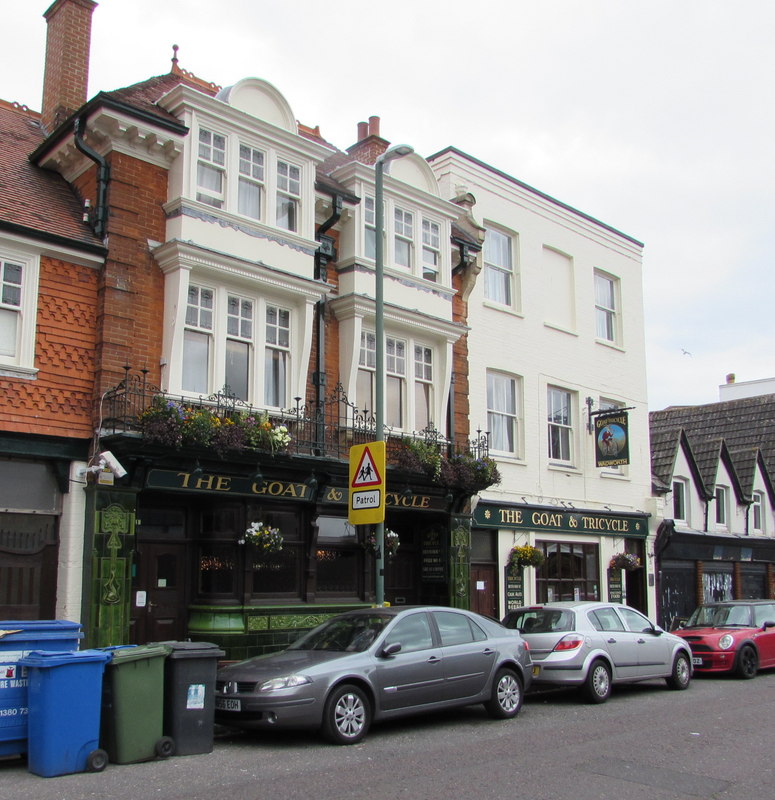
x: 249, y: 199
x: 237, y: 368
x: 286, y: 213
x: 394, y: 400
x: 196, y: 362
x: 422, y: 405
x: 275, y: 373
x: 8, y: 327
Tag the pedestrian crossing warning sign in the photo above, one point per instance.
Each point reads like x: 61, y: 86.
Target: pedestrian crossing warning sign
x: 367, y: 484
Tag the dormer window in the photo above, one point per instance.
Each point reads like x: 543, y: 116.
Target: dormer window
x: 288, y: 194
x: 211, y: 168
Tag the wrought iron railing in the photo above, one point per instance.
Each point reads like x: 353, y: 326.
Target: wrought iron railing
x: 328, y: 427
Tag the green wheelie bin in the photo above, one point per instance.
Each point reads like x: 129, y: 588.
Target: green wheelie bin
x: 133, y: 704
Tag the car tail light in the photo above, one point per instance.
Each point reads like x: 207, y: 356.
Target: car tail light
x: 570, y: 642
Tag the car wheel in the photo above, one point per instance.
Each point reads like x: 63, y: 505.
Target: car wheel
x: 681, y: 674
x: 506, y: 699
x: 747, y: 662
x: 347, y: 715
x: 597, y: 686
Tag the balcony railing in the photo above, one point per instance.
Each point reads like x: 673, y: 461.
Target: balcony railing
x: 327, y: 428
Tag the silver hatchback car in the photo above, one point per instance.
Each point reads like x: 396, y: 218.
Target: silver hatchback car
x: 594, y: 645
x: 378, y: 663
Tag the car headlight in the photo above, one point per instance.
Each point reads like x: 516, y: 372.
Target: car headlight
x: 286, y: 682
x: 726, y: 641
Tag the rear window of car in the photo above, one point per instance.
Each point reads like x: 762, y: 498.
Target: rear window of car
x: 541, y: 620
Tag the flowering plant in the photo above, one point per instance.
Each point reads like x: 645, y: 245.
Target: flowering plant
x: 628, y: 561
x: 462, y: 472
x: 263, y: 538
x: 524, y: 556
x: 392, y: 542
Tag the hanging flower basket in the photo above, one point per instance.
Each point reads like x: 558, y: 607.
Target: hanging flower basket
x: 264, y: 539
x: 627, y: 561
x: 524, y: 556
x: 392, y: 543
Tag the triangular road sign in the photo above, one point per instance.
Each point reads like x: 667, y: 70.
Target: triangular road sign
x: 366, y: 473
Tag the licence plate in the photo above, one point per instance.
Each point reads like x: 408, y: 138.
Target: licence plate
x: 696, y: 661
x: 227, y: 704
x: 536, y: 671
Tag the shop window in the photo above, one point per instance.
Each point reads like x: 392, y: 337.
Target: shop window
x: 338, y: 558
x: 570, y: 572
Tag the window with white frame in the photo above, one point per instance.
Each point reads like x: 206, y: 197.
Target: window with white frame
x: 606, y: 306
x: 288, y: 195
x: 498, y: 267
x: 409, y: 398
x: 431, y: 247
x: 11, y: 276
x: 223, y: 346
x: 403, y: 229
x: 211, y: 168
x: 560, y: 419
x: 423, y: 387
x: 278, y: 348
x: 197, y: 340
x: 680, y: 501
x: 757, y: 513
x: 251, y: 181
x: 722, y: 511
x: 502, y: 419
x: 370, y: 228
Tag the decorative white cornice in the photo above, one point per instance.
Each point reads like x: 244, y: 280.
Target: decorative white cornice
x: 108, y: 130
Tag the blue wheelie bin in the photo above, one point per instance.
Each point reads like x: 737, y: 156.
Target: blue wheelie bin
x: 65, y: 702
x: 17, y: 639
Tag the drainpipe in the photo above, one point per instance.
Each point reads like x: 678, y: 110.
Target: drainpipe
x: 325, y: 251
x: 100, y: 223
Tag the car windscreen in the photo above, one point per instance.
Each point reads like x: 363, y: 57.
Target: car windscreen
x: 352, y: 634
x: 540, y: 620
x: 732, y: 616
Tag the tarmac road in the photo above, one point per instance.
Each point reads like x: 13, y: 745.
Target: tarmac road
x: 713, y: 741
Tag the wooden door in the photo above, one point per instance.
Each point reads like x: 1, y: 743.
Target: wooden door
x: 484, y: 590
x: 159, y: 598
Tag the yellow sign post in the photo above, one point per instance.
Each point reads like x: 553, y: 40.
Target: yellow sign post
x: 367, y: 484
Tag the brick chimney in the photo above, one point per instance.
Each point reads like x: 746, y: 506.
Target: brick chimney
x: 370, y: 144
x: 68, y: 41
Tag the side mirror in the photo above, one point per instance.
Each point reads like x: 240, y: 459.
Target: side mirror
x: 768, y: 624
x: 391, y: 649
x: 657, y: 631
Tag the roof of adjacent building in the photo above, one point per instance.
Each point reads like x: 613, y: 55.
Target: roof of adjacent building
x: 35, y: 201
x: 741, y: 430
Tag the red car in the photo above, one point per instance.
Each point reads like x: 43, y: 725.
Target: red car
x: 732, y: 636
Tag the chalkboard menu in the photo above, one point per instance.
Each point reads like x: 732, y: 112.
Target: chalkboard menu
x: 614, y: 586
x: 433, y: 556
x: 515, y: 590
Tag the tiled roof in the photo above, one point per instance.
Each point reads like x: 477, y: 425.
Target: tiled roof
x: 30, y: 197
x: 746, y: 426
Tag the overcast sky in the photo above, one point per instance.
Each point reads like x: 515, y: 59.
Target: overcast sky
x: 653, y: 116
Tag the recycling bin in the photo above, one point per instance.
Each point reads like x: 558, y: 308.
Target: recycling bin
x: 17, y: 639
x: 189, y: 695
x: 65, y: 702
x: 133, y: 704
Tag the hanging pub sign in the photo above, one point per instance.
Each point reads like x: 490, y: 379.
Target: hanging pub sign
x: 612, y: 445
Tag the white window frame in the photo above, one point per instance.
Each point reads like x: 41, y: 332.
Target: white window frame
x: 403, y: 236
x: 199, y: 322
x: 560, y: 424
x: 607, y: 305
x: 277, y: 354
x: 722, y: 507
x: 212, y: 160
x: 370, y: 227
x: 240, y: 327
x: 757, y: 513
x: 499, y: 279
x: 503, y: 412
x: 680, y: 492
x: 423, y: 386
x: 431, y: 250
x: 288, y: 192
x: 21, y: 307
x: 252, y: 174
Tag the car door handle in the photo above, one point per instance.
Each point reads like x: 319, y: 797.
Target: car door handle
x: 612, y: 640
x: 434, y: 660
x: 488, y: 651
x: 641, y: 641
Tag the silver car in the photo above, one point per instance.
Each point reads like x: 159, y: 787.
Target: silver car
x: 378, y: 663
x: 594, y: 645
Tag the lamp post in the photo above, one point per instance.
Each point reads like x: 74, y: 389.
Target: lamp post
x: 380, y: 166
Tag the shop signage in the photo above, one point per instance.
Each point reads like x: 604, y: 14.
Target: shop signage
x: 614, y: 586
x: 433, y: 561
x: 612, y: 442
x: 227, y: 484
x: 367, y: 484
x: 553, y: 520
x: 405, y: 500
x: 515, y: 590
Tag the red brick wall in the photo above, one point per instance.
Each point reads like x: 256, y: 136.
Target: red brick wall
x: 460, y: 368
x: 58, y: 401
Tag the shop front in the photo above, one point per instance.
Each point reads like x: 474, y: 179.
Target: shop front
x: 549, y: 554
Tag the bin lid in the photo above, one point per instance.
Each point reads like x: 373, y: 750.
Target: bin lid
x: 55, y: 658
x: 25, y: 630
x: 194, y: 650
x: 136, y: 652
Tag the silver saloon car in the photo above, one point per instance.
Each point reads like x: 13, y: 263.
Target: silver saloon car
x: 377, y: 663
x: 595, y: 645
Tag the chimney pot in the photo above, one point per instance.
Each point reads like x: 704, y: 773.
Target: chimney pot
x: 373, y: 126
x: 363, y: 130
x: 731, y: 377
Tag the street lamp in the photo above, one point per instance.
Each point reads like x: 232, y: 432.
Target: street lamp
x: 380, y: 166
